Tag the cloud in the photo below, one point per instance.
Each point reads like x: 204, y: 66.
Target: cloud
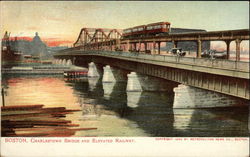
x: 51, y: 42
x: 21, y: 38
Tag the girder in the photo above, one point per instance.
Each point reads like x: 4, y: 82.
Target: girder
x: 89, y: 36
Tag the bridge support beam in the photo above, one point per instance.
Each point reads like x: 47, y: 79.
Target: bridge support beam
x: 191, y: 97
x: 237, y: 41
x: 139, y: 82
x: 92, y: 70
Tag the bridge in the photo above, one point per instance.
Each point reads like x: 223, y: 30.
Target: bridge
x: 197, y: 82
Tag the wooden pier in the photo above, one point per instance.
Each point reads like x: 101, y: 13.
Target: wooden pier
x: 38, y: 121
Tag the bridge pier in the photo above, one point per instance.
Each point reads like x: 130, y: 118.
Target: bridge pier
x: 108, y: 75
x: 93, y: 71
x: 68, y: 62
x: 192, y: 97
x: 133, y: 83
x: 64, y: 62
x: 139, y: 82
x: 111, y: 74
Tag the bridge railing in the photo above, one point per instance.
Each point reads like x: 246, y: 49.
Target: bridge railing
x: 214, y: 63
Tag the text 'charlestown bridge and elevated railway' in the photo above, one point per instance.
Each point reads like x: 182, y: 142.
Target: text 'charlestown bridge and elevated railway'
x: 107, y: 53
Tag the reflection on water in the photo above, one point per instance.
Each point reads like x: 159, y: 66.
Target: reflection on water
x: 115, y: 112
x: 108, y: 89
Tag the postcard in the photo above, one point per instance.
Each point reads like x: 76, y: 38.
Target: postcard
x: 125, y: 78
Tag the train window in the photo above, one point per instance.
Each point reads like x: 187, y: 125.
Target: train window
x: 165, y: 26
x: 135, y: 30
x: 157, y: 27
x: 140, y: 29
x: 149, y: 27
x: 127, y: 31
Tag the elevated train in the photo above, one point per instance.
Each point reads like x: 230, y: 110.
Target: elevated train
x: 147, y: 30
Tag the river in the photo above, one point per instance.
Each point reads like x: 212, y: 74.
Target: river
x: 115, y: 112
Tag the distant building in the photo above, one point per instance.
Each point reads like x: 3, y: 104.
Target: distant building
x: 38, y: 48
x: 8, y: 55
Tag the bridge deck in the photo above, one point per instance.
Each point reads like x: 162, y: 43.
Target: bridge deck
x: 237, y: 69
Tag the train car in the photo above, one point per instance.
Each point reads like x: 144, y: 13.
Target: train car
x: 133, y: 32
x: 138, y: 30
x: 127, y: 32
x: 158, y: 28
x: 146, y: 30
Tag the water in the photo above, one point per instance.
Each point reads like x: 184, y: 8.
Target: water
x: 107, y: 107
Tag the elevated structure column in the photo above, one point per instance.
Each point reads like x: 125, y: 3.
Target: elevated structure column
x: 110, y: 45
x: 159, y: 47
x: 146, y: 47
x: 127, y: 46
x: 134, y: 46
x: 237, y: 41
x: 154, y: 45
x: 199, y: 49
x: 139, y: 47
x: 118, y: 44
x: 228, y: 48
x: 175, y: 44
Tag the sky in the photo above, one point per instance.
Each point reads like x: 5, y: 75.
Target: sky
x: 63, y: 20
